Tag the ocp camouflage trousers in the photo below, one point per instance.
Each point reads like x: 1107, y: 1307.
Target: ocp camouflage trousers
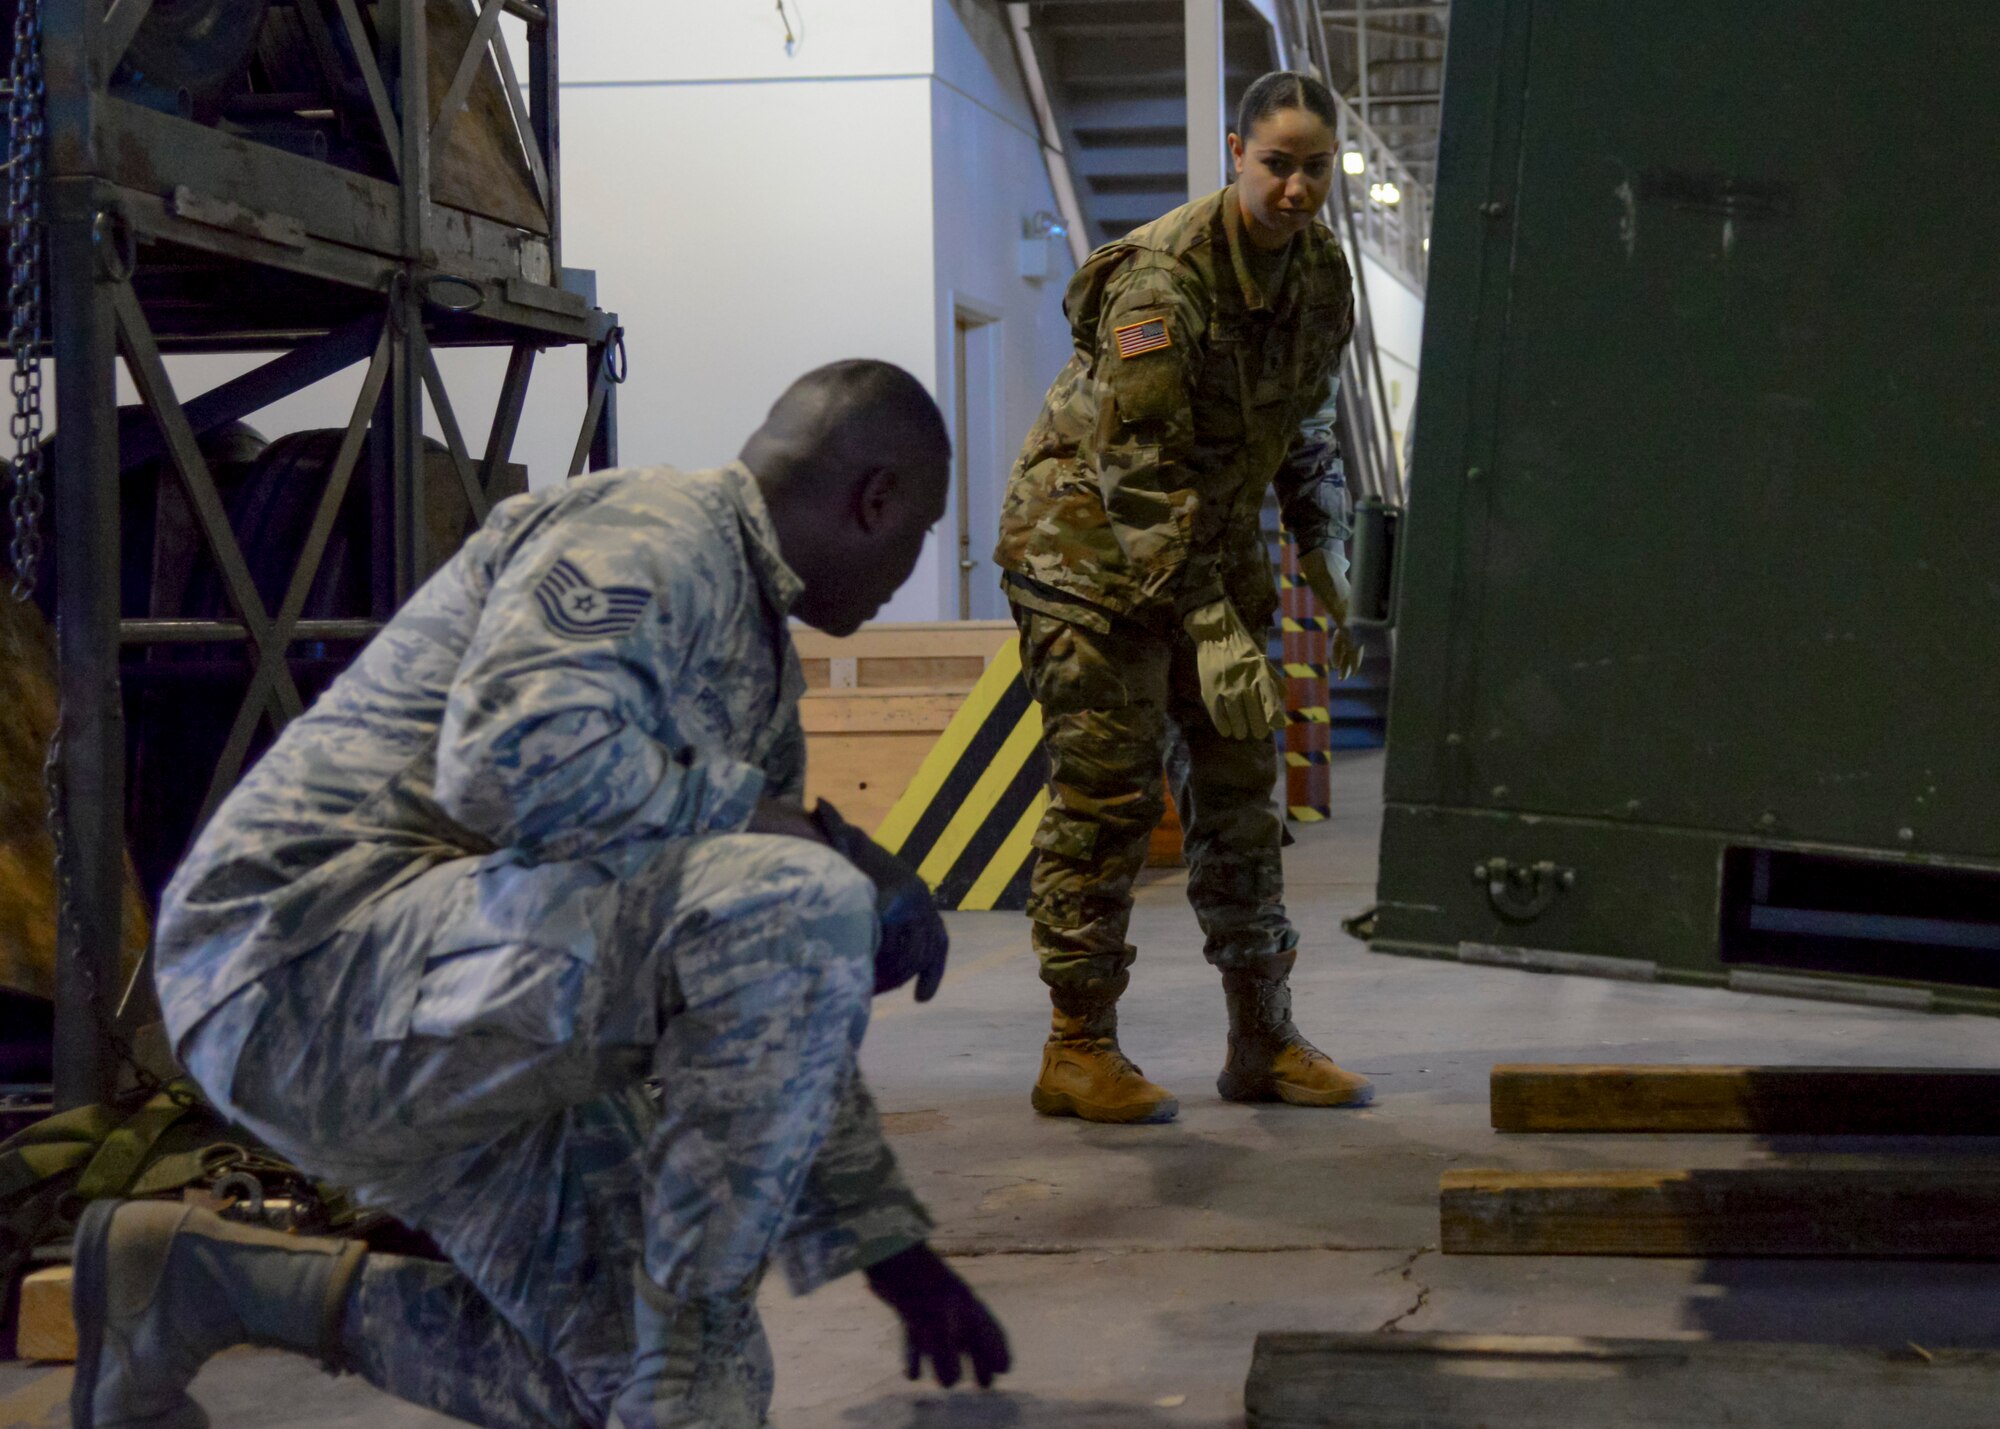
x: 470, y: 1056
x: 1111, y: 703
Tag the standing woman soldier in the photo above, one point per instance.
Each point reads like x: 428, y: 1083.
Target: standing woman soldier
x: 1207, y: 357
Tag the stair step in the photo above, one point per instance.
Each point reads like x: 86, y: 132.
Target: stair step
x: 1135, y: 209
x: 1165, y: 183
x: 1162, y: 84
x: 1105, y: 158
x: 1094, y: 112
x: 1094, y: 52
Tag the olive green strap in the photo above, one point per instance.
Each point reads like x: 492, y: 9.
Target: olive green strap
x: 51, y: 1146
x: 123, y: 1154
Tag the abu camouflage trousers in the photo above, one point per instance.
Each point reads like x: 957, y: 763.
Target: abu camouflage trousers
x: 469, y: 1055
x: 1112, y: 704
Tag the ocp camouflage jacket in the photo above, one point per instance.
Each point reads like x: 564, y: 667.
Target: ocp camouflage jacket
x: 1191, y: 391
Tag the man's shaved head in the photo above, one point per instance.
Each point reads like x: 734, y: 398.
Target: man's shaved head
x: 855, y: 463
x: 846, y: 417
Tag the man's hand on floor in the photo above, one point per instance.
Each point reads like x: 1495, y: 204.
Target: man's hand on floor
x: 943, y: 1321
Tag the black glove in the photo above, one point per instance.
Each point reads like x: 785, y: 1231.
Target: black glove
x: 914, y: 942
x: 942, y: 1318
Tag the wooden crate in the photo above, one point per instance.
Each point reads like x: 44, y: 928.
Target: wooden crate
x: 934, y: 655
x: 877, y: 700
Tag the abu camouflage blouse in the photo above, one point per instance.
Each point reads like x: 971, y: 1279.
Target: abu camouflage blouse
x: 1191, y: 391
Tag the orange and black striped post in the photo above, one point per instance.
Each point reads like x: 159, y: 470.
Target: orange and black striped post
x: 1305, y: 638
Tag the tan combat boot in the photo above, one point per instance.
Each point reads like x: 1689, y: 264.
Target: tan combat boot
x: 1268, y: 1059
x: 1083, y: 1072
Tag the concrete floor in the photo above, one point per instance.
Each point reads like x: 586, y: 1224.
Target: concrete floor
x: 1133, y: 1266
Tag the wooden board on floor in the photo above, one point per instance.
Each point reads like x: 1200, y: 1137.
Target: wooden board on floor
x: 1436, y: 1381
x: 1947, y: 1210
x: 1830, y: 1101
x: 46, y: 1329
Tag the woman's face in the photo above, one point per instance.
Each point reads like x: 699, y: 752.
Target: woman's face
x: 1284, y: 167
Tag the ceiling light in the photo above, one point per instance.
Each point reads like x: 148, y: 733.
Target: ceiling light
x: 1386, y: 194
x: 1353, y: 162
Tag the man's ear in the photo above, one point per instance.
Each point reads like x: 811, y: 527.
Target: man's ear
x: 875, y: 498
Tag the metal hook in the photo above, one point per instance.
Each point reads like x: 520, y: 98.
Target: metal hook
x: 400, y: 286
x: 616, y: 365
x: 117, y: 246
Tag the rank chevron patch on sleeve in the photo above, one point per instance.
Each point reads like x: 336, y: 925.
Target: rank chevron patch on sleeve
x: 577, y: 610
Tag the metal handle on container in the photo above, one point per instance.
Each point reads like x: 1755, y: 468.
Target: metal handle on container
x: 1373, y: 585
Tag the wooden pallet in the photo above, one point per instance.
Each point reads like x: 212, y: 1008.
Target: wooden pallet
x: 1819, y: 1101
x: 1914, y: 1210
x: 1436, y: 1381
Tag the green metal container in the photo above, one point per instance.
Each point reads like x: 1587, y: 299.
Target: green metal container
x: 1698, y: 594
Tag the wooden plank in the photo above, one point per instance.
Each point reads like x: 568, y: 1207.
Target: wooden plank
x: 1860, y: 1101
x: 907, y: 639
x: 1163, y: 849
x: 1941, y: 1210
x: 863, y: 774
x: 878, y: 711
x: 957, y: 672
x: 864, y: 746
x: 27, y: 854
x: 46, y: 1329
x: 1439, y: 1381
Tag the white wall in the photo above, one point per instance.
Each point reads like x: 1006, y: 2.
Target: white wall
x: 1398, y: 311
x: 989, y: 179
x: 668, y: 41
x: 751, y: 213
x: 744, y: 234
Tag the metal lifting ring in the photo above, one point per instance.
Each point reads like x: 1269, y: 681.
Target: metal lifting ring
x: 474, y: 299
x: 616, y: 366
x: 117, y: 246
x: 247, y: 1189
x: 1522, y: 892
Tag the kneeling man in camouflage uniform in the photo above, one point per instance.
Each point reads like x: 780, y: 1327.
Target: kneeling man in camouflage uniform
x: 541, y: 843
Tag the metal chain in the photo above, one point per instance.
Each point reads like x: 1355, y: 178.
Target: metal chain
x: 25, y: 133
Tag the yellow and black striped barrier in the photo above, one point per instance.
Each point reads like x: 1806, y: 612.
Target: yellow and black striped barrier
x: 967, y: 820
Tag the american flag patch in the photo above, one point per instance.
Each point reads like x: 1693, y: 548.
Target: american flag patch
x: 1136, y: 338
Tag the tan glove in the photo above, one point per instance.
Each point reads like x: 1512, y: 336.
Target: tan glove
x: 1326, y: 573
x: 1238, y: 684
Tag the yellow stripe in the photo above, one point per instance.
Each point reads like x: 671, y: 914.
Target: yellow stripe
x: 1305, y: 672
x: 988, y: 887
x: 950, y: 746
x: 1307, y: 814
x: 1311, y: 716
x: 979, y: 804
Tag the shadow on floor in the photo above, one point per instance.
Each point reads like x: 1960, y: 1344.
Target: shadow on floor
x: 1891, y: 1303
x: 1003, y: 1410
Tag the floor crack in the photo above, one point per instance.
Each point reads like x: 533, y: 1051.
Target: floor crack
x: 1395, y: 1322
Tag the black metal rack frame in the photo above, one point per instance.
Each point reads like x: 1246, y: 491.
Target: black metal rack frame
x: 166, y: 235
